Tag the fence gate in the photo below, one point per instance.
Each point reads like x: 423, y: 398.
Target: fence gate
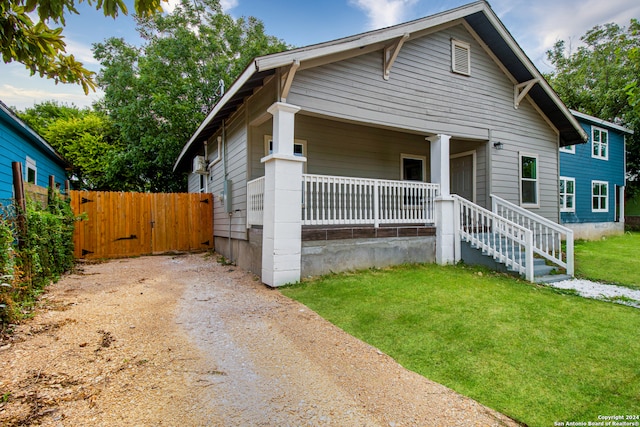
x: 131, y: 224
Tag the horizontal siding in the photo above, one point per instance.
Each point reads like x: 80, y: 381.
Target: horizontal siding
x: 585, y: 169
x: 15, y: 148
x: 344, y: 149
x: 424, y: 96
x: 235, y: 160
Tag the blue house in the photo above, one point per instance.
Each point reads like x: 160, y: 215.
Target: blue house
x: 20, y: 143
x: 592, y: 180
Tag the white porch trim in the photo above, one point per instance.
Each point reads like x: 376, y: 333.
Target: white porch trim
x: 282, y: 244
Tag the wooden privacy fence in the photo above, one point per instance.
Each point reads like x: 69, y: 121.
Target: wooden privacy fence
x: 130, y: 224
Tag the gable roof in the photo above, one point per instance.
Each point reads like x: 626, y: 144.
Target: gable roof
x: 600, y: 122
x: 23, y: 129
x: 478, y: 16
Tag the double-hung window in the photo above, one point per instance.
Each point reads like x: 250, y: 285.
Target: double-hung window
x: 529, y: 180
x: 599, y: 143
x: 599, y: 196
x: 567, y: 194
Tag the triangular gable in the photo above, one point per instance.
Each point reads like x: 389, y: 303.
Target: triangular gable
x: 478, y: 17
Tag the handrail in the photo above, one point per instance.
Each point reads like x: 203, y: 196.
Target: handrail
x: 547, y: 235
x: 498, y: 237
x: 329, y: 200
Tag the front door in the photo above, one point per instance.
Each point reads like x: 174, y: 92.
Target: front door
x: 462, y: 172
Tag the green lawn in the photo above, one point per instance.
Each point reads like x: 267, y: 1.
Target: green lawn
x: 533, y: 353
x: 612, y: 260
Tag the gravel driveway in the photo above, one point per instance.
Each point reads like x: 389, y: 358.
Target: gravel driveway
x: 185, y: 341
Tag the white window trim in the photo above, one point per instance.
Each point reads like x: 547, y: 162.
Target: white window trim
x: 537, y: 180
x: 571, y: 149
x: 563, y: 207
x: 30, y: 164
x: 423, y: 159
x: 213, y: 162
x: 463, y: 45
x: 606, y: 199
x: 202, y: 183
x: 268, y: 140
x: 593, y: 142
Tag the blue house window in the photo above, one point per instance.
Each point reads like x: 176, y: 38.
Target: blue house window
x: 567, y: 194
x: 599, y: 196
x: 568, y: 149
x: 31, y: 171
x: 599, y: 143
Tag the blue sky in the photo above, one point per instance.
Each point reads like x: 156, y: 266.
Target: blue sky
x: 535, y: 24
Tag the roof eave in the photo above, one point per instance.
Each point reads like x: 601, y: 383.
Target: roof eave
x: 533, y: 70
x: 249, y: 71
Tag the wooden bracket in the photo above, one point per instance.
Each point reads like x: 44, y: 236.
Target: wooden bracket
x: 390, y: 53
x: 288, y: 79
x: 521, y: 90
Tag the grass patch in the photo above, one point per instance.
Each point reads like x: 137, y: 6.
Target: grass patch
x: 530, y: 352
x: 611, y: 260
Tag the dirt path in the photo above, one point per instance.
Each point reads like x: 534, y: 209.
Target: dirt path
x: 184, y: 341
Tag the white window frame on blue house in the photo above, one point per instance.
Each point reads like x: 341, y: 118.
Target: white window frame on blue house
x: 522, y: 180
x: 29, y: 170
x: 566, y: 195
x: 599, y: 143
x: 571, y: 149
x: 602, y: 199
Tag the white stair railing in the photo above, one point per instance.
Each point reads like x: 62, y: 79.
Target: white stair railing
x: 504, y: 240
x: 547, y: 235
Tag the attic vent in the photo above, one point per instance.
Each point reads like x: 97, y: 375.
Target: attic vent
x: 460, y: 57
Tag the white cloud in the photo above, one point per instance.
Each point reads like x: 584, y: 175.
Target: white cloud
x: 538, y: 25
x: 21, y: 97
x: 80, y: 51
x: 169, y: 6
x: 384, y: 13
x: 227, y: 5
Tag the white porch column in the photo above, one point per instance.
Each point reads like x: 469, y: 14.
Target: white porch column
x: 446, y: 233
x: 282, y: 229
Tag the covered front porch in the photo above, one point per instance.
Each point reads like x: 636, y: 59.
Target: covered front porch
x: 293, y: 210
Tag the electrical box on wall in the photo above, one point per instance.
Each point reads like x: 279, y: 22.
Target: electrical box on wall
x: 226, y: 195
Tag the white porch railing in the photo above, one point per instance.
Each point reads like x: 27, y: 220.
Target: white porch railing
x: 255, y: 201
x: 500, y: 238
x: 329, y: 200
x: 547, y: 235
x: 338, y: 200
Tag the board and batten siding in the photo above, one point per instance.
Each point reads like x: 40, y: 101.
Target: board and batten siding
x: 422, y: 95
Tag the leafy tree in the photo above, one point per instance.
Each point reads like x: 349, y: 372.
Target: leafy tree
x: 85, y: 138
x: 158, y: 93
x: 41, y: 48
x: 602, y: 78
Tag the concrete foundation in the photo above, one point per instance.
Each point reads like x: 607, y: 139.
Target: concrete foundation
x: 332, y: 256
x: 595, y: 230
x: 245, y: 254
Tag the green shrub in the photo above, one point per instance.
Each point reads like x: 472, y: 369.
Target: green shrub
x: 46, y: 251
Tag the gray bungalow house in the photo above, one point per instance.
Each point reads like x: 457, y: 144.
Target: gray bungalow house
x: 434, y: 140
